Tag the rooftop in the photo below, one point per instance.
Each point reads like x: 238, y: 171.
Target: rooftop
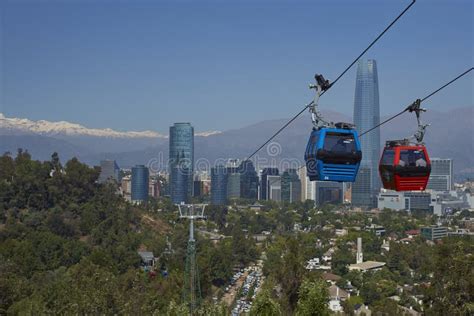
x: 330, y: 277
x: 367, y: 265
x: 337, y: 293
x: 146, y: 255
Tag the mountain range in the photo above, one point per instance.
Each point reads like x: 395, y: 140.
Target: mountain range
x: 450, y: 135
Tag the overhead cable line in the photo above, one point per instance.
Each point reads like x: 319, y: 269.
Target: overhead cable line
x: 418, y: 101
x: 409, y: 107
x: 339, y: 77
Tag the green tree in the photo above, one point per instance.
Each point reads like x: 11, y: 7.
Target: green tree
x: 177, y: 309
x: 451, y: 291
x: 388, y: 307
x: 264, y: 305
x: 313, y: 299
x: 350, y: 303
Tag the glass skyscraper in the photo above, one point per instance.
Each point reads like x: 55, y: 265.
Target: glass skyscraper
x: 366, y: 116
x: 219, y: 185
x: 181, y: 162
x: 248, y: 180
x: 140, y: 180
x: 233, y: 179
x: 290, y: 186
x: 233, y: 185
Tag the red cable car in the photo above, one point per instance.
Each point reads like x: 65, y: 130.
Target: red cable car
x: 406, y: 166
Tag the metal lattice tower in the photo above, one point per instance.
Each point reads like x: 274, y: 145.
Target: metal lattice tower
x: 192, y: 288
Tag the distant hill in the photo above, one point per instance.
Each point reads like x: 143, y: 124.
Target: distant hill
x: 451, y: 135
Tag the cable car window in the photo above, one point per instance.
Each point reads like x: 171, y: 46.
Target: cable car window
x: 339, y: 143
x: 412, y: 158
x: 404, y: 158
x: 388, y: 157
x: 420, y: 158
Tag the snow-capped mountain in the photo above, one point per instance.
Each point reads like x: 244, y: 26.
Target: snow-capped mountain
x: 206, y: 134
x: 47, y: 128
x: 83, y: 143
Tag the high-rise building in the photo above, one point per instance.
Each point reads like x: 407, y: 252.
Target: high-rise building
x: 328, y: 192
x: 265, y: 183
x: 361, y: 188
x: 290, y: 186
x: 181, y: 162
x: 154, y: 188
x: 197, y: 188
x: 248, y: 180
x: 140, y: 178
x: 233, y: 179
x: 441, y: 177
x: 109, y: 171
x: 274, y: 188
x: 233, y: 185
x: 308, y: 188
x: 219, y: 185
x: 126, y: 185
x: 366, y: 116
x: 198, y: 184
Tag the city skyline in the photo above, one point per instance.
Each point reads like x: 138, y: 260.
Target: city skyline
x: 103, y: 211
x: 137, y: 80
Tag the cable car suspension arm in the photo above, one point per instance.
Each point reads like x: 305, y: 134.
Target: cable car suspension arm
x: 316, y: 117
x: 420, y: 133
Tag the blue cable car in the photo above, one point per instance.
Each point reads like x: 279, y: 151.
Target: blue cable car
x: 333, y: 154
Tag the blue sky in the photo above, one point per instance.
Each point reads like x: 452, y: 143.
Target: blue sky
x: 136, y: 65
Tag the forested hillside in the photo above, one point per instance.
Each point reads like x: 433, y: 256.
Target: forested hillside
x: 68, y: 245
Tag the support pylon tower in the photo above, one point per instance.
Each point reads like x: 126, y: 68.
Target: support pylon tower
x: 192, y: 287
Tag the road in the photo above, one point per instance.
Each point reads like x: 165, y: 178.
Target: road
x: 229, y: 297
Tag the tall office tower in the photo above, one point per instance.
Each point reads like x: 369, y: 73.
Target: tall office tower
x: 361, y: 188
x: 328, y: 192
x: 109, y: 171
x: 181, y: 162
x: 233, y: 179
x: 290, y: 186
x: 265, y: 184
x: 441, y: 177
x: 140, y: 180
x: 233, y: 185
x: 366, y: 116
x: 308, y: 188
x: 219, y: 185
x: 248, y: 180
